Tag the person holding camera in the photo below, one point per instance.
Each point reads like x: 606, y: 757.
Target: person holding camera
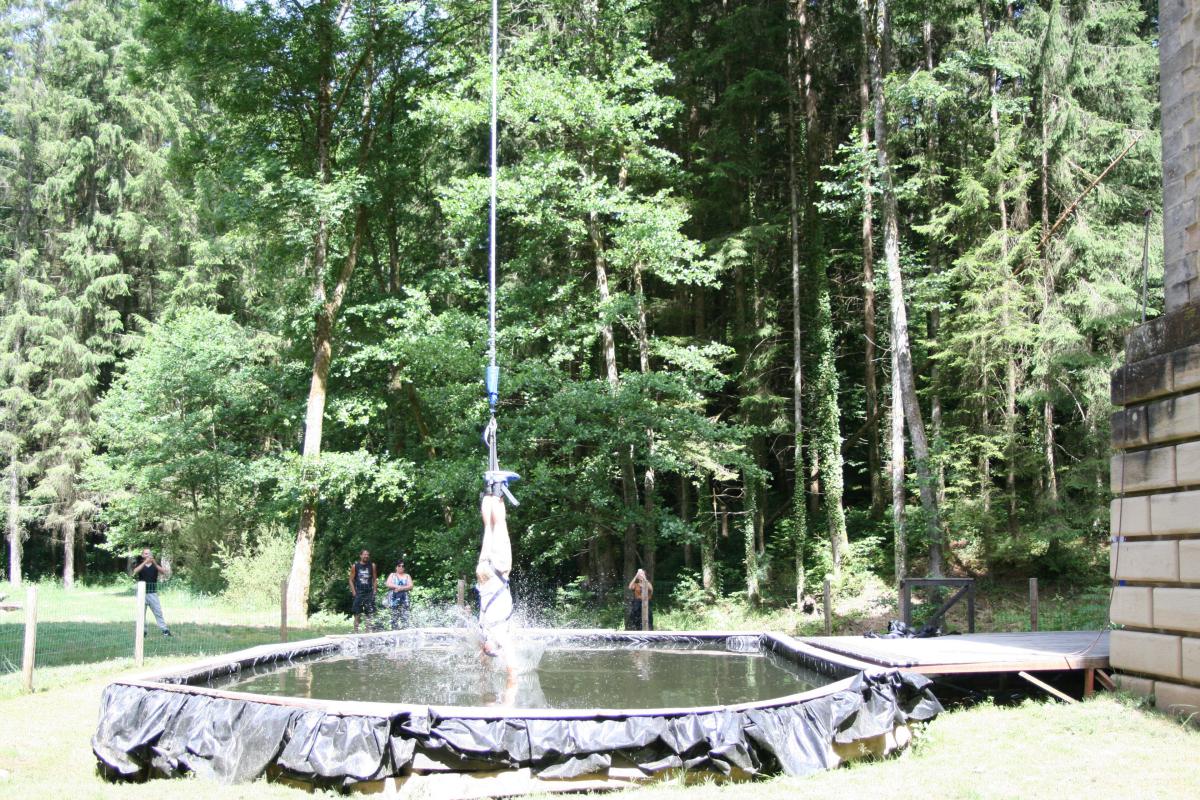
x: 399, y: 584
x: 642, y: 590
x: 363, y: 579
x: 147, y: 571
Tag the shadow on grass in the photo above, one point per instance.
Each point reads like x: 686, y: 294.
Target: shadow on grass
x: 64, y: 643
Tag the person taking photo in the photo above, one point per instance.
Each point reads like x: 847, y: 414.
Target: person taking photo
x: 148, y: 571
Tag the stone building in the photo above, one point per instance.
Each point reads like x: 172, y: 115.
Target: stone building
x: 1155, y: 556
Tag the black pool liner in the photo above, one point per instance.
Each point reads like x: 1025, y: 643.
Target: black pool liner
x: 160, y: 730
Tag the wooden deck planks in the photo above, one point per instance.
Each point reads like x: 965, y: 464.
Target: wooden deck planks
x: 977, y: 652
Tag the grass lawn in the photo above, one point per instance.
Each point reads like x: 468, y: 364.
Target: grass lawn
x: 1104, y: 748
x: 96, y: 624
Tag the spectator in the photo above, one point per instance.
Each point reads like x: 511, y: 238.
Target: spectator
x: 399, y: 584
x: 363, y: 579
x: 633, y: 619
x: 147, y: 572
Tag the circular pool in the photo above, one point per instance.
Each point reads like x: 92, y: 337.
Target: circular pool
x: 573, y: 710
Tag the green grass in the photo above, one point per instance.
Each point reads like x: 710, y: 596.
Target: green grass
x: 95, y: 624
x: 1105, y: 748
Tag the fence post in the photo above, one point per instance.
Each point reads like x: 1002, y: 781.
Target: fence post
x: 283, y: 633
x: 139, y: 626
x: 462, y: 591
x: 828, y: 610
x: 1033, y: 604
x: 29, y: 656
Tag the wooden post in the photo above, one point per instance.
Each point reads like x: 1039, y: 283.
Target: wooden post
x: 1033, y: 604
x: 645, y: 604
x: 971, y: 609
x: 283, y: 633
x: 1089, y: 682
x: 29, y: 656
x: 828, y: 610
x: 139, y: 626
x: 462, y: 593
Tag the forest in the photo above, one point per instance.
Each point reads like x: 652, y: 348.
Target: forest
x: 787, y: 289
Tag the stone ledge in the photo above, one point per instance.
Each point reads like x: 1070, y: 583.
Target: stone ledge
x: 1172, y: 331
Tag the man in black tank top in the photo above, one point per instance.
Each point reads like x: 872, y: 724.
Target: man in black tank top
x: 362, y: 587
x: 147, y: 571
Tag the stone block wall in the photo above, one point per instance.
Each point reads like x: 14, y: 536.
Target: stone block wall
x: 1179, y: 59
x: 1155, y: 513
x: 1155, y: 516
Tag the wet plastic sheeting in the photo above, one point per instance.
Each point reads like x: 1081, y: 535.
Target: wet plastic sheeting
x: 147, y: 732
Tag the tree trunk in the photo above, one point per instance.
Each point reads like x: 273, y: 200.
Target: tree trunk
x: 799, y: 504
x: 877, y: 31
x: 68, y: 545
x: 1048, y: 440
x: 301, y: 572
x: 749, y: 515
x: 827, y: 432
x: 935, y: 312
x: 1048, y: 291
x: 612, y: 375
x: 897, y: 479
x: 685, y: 514
x: 871, y: 388
x: 14, y: 521
x: 1010, y: 364
x: 649, y: 537
x: 708, y: 544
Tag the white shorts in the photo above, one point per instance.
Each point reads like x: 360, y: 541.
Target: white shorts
x: 495, y: 606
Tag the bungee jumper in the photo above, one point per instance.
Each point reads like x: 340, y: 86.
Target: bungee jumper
x: 495, y: 554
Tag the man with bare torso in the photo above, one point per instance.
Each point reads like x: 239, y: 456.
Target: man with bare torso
x: 363, y: 579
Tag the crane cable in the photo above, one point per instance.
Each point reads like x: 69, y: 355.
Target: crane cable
x: 495, y: 480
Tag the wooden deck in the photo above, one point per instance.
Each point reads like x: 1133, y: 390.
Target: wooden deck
x: 977, y: 652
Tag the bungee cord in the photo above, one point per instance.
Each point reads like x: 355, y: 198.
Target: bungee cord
x: 495, y: 480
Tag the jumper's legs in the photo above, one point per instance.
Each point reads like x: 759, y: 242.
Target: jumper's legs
x: 491, y: 573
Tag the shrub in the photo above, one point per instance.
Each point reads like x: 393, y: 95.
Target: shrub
x: 254, y: 568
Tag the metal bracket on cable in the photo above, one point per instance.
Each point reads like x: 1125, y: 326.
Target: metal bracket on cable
x: 495, y: 480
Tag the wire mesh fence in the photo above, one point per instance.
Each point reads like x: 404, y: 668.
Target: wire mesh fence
x: 91, y: 624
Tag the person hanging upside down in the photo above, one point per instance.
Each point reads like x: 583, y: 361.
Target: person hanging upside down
x: 491, y: 575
